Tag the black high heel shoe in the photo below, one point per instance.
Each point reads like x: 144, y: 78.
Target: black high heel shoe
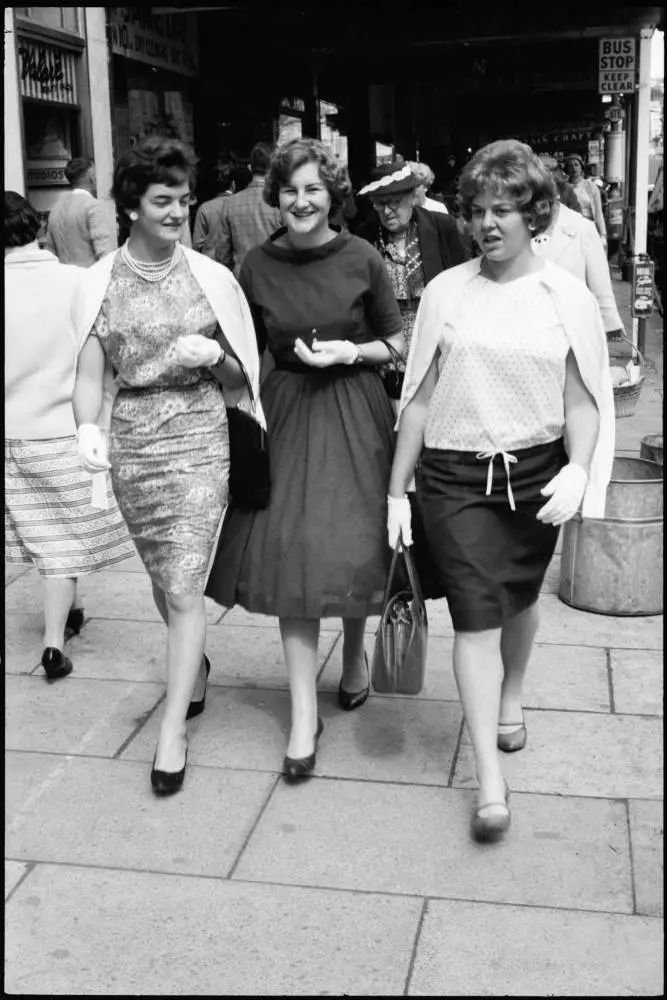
x: 295, y: 768
x: 55, y: 663
x: 197, y: 707
x: 168, y: 782
x: 74, y: 623
x: 347, y: 700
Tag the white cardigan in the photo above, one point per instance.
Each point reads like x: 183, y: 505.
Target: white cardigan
x: 575, y: 245
x: 577, y: 310
x: 226, y: 299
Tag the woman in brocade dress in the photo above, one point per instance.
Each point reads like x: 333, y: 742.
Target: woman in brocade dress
x: 175, y: 327
x: 323, y: 304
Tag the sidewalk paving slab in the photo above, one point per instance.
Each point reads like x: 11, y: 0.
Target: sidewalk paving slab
x: 646, y: 832
x: 637, y: 677
x: 571, y: 852
x: 81, y: 931
x: 576, y: 753
x: 110, y: 818
x: 530, y: 952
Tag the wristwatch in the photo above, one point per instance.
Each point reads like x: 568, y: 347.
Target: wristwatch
x: 360, y: 355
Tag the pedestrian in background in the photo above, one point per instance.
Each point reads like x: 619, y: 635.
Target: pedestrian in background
x: 507, y: 410
x: 323, y: 305
x: 207, y: 222
x: 244, y: 220
x: 414, y: 244
x: 158, y: 313
x: 79, y: 230
x: 49, y: 519
x: 588, y: 194
x: 425, y: 177
x: 572, y: 242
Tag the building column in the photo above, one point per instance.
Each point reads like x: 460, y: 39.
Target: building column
x: 100, y: 104
x: 14, y: 165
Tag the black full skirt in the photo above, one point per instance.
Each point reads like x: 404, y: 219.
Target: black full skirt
x: 320, y: 548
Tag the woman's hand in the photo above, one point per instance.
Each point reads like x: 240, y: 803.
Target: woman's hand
x: 399, y: 521
x: 325, y: 353
x: 195, y: 351
x: 566, y: 491
x: 92, y: 448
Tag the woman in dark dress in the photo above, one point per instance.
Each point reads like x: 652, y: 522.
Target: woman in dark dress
x: 322, y: 303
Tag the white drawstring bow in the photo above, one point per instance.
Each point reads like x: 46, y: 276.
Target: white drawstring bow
x: 508, y: 460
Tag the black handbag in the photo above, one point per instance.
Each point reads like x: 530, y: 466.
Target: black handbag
x: 399, y: 656
x: 249, y: 471
x: 393, y: 378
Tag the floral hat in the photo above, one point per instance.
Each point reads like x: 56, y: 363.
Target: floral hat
x: 390, y: 179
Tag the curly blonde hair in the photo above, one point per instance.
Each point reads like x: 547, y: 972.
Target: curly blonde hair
x: 296, y: 153
x: 509, y: 168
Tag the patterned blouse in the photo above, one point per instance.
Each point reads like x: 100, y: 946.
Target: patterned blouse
x: 502, y: 371
x: 140, y: 322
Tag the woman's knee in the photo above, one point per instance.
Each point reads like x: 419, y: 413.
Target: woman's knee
x: 183, y: 604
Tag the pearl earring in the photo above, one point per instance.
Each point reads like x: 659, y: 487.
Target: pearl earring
x: 133, y: 216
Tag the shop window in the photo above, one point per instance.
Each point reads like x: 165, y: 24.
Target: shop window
x: 49, y: 133
x: 60, y: 18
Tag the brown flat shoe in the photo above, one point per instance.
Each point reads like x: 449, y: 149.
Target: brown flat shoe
x: 514, y: 740
x: 486, y: 829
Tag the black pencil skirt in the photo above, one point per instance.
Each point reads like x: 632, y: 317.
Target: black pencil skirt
x: 490, y: 560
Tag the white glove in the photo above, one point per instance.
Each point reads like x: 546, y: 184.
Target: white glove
x: 195, y: 351
x: 566, y: 491
x: 399, y: 521
x: 92, y: 448
x: 325, y: 353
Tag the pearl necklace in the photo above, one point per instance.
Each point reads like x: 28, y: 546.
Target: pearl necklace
x: 152, y: 270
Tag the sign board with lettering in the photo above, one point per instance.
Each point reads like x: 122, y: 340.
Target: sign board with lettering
x: 46, y: 173
x: 166, y: 41
x: 642, y: 287
x: 46, y: 71
x: 617, y: 65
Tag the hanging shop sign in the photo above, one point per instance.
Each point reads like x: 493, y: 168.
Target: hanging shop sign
x: 617, y: 65
x: 47, y: 72
x: 166, y: 41
x: 642, y: 287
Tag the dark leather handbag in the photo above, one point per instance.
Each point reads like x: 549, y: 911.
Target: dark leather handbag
x: 393, y: 377
x: 249, y: 471
x: 399, y: 656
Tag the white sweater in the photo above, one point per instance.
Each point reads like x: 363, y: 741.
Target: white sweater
x: 40, y: 344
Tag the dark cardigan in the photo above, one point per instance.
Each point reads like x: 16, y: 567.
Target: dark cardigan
x: 440, y: 243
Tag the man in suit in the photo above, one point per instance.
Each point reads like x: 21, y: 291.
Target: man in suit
x: 244, y: 220
x: 79, y: 230
x: 208, y: 213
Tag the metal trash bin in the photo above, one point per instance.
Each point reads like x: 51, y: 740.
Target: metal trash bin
x: 614, y: 565
x: 651, y: 448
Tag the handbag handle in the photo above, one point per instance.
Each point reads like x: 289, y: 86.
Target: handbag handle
x: 412, y: 575
x: 394, y: 355
x: 243, y: 372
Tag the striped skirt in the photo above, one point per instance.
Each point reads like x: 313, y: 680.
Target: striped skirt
x: 48, y: 517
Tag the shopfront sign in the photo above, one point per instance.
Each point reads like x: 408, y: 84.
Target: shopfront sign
x: 617, y: 65
x: 166, y: 41
x: 46, y: 173
x: 47, y: 72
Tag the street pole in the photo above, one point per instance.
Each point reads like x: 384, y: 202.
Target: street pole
x: 642, y: 105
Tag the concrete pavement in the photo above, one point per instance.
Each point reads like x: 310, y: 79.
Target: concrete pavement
x: 362, y: 881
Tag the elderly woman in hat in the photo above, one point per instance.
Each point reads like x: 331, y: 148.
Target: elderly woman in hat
x: 415, y: 244
x: 587, y: 192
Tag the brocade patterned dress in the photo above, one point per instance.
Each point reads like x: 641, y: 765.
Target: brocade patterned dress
x: 169, y: 449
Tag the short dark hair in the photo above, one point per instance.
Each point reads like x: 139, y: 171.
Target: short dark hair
x: 260, y: 157
x: 76, y: 169
x: 294, y: 154
x: 22, y: 224
x: 154, y: 160
x: 511, y: 168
